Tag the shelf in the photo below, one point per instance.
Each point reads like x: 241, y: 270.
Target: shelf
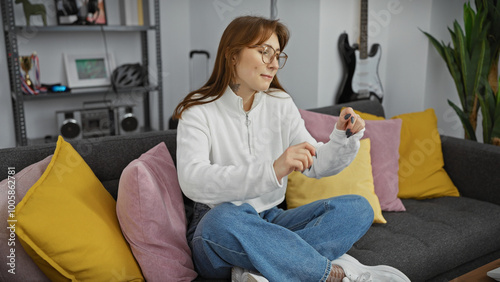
x: 72, y: 28
x: 88, y: 91
x: 147, y: 33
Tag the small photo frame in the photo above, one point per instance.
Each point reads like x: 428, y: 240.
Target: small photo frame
x: 81, y: 12
x: 88, y: 70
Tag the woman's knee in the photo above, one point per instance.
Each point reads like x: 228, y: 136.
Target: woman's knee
x: 355, y: 205
x: 221, y: 218
x: 365, y: 209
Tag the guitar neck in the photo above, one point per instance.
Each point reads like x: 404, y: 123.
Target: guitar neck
x: 363, y: 37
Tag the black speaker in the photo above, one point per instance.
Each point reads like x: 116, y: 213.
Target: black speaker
x: 69, y: 124
x: 128, y: 121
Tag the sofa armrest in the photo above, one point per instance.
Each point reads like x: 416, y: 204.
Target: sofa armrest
x: 473, y: 167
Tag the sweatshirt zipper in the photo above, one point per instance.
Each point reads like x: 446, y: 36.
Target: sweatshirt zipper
x: 248, y: 133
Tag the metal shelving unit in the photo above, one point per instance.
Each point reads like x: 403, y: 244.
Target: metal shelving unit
x: 11, y: 32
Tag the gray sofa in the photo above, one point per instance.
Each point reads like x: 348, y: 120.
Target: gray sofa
x: 434, y: 240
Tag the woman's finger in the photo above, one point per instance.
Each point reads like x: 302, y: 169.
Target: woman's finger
x: 358, y: 125
x: 346, y: 119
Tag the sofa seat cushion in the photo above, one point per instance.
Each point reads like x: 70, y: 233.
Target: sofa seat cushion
x: 432, y: 236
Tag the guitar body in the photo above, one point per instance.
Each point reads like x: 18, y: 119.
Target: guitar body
x: 365, y: 81
x: 361, y: 80
x: 348, y: 57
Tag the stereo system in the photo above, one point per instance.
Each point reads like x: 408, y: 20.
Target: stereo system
x: 98, y: 122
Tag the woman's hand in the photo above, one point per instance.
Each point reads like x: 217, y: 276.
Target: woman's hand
x: 295, y: 158
x: 349, y: 121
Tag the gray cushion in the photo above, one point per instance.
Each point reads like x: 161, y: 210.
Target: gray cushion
x: 430, y: 238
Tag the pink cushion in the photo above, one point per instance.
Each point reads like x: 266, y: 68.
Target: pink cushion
x: 25, y: 268
x: 151, y: 213
x: 385, y: 137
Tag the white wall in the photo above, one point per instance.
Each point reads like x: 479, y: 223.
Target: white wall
x: 175, y: 40
x: 404, y: 52
x: 413, y: 75
x: 300, y: 74
x: 335, y: 18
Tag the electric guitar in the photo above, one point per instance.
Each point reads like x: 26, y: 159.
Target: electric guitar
x: 361, y: 80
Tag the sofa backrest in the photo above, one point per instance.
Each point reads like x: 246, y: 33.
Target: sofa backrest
x: 366, y: 106
x: 106, y: 156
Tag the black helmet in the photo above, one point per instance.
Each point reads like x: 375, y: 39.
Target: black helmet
x: 128, y: 75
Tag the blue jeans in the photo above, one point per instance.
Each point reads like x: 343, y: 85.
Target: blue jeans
x: 283, y: 245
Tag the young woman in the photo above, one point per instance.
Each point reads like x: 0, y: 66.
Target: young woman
x: 238, y: 138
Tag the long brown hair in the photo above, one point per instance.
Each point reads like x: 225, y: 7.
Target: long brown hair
x: 240, y: 33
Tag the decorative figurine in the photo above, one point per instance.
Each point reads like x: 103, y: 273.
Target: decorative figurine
x: 33, y: 10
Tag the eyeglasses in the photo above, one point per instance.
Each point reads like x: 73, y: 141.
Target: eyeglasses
x: 268, y: 55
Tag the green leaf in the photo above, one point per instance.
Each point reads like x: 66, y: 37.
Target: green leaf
x: 487, y: 120
x: 480, y: 4
x: 469, y: 131
x: 468, y: 21
x: 464, y: 59
x: 477, y: 32
x: 489, y: 98
x: 490, y: 109
x: 453, y: 37
x: 495, y: 132
x: 454, y: 40
x: 455, y: 72
x: 478, y: 64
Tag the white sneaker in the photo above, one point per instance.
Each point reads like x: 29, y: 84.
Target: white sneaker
x: 239, y: 274
x: 357, y: 272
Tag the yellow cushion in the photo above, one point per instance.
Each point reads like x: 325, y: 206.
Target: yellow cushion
x: 356, y: 179
x: 421, y: 172
x: 67, y: 223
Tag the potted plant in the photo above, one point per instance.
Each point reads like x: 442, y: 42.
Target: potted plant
x: 471, y: 60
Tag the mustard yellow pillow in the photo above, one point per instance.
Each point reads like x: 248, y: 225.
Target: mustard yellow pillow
x: 356, y: 179
x: 421, y: 172
x: 67, y: 223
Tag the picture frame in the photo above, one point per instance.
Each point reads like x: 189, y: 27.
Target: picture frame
x: 89, y: 70
x: 81, y: 12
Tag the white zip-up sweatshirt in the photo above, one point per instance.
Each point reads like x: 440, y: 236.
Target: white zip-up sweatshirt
x: 225, y: 154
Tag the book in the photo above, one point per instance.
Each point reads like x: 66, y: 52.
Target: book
x: 140, y: 13
x: 129, y: 13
